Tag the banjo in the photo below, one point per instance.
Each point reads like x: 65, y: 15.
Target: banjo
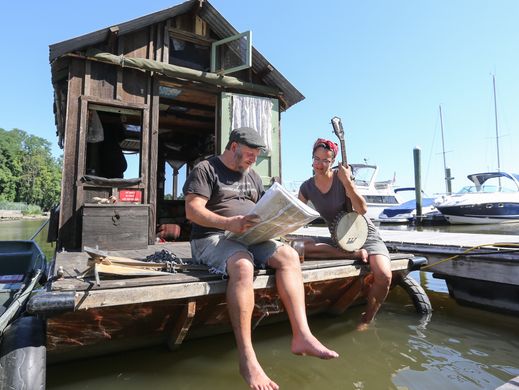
x: 349, y: 230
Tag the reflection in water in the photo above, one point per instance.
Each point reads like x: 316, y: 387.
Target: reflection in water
x: 503, y: 228
x: 458, y: 348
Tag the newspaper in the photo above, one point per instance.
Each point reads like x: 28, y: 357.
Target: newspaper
x: 279, y: 212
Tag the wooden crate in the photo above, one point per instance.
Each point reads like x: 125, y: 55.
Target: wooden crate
x: 115, y: 227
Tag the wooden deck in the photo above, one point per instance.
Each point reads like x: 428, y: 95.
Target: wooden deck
x: 479, y: 269
x: 114, y: 291
x: 86, y: 319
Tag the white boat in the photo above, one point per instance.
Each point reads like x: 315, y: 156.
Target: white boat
x: 494, y: 198
x: 405, y: 212
x: 378, y: 194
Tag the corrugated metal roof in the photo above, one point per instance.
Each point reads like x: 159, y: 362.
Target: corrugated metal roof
x: 216, y: 22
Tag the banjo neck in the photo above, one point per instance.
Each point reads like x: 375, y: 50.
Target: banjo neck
x: 343, y: 151
x: 339, y: 132
x: 349, y: 207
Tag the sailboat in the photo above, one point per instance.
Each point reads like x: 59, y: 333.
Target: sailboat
x: 493, y: 197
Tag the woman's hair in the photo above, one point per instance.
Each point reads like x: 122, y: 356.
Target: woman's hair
x: 327, y: 144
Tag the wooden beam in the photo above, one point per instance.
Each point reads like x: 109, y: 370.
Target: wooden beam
x: 351, y: 294
x: 82, y: 150
x: 182, y: 325
x: 153, y: 143
x: 191, y: 37
x: 68, y: 224
x: 190, y: 105
x: 115, y: 297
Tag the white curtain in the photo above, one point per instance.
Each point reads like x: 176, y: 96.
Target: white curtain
x: 255, y: 112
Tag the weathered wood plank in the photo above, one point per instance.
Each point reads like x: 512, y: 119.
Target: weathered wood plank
x: 351, y: 293
x: 147, y: 171
x: 82, y: 149
x: 115, y: 297
x: 68, y: 224
x: 153, y: 135
x: 115, y: 227
x: 182, y: 325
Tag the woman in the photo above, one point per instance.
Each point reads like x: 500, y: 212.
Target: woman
x: 329, y: 191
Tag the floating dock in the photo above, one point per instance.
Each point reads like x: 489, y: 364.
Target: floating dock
x: 479, y: 269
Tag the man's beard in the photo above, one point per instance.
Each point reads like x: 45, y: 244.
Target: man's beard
x: 238, y: 159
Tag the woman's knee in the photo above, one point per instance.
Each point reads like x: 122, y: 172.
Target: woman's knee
x: 381, y: 267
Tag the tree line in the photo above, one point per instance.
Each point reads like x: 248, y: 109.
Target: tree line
x: 28, y: 171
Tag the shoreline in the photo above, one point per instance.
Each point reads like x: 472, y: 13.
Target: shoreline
x: 16, y: 216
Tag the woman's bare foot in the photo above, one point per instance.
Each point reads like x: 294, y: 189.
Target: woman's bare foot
x: 255, y: 377
x: 362, y: 326
x: 310, y: 346
x: 362, y: 254
x: 364, y: 323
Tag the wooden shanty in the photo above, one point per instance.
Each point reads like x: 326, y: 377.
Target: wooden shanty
x: 155, y: 94
x: 161, y: 93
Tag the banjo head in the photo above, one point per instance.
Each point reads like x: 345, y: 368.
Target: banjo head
x: 349, y: 231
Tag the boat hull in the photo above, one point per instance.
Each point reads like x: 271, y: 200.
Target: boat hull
x: 486, y: 213
x: 85, y: 319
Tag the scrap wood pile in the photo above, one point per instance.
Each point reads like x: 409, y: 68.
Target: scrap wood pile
x: 158, y: 264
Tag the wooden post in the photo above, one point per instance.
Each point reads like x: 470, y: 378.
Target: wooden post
x: 418, y: 182
x: 182, y: 325
x: 68, y: 219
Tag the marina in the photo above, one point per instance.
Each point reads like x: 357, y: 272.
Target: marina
x: 476, y: 347
x: 479, y: 269
x: 120, y: 303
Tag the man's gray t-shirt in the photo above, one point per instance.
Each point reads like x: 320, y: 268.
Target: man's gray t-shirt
x: 229, y: 192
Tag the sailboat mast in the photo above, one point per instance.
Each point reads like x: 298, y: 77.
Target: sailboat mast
x: 448, y: 178
x: 497, y: 128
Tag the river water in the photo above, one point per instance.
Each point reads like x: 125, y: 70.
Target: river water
x: 457, y: 348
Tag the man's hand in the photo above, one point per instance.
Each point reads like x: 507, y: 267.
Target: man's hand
x: 242, y: 223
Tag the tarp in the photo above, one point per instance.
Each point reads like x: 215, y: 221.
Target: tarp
x: 179, y: 72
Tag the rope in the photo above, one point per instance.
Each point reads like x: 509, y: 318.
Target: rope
x: 171, y: 260
x: 497, y: 244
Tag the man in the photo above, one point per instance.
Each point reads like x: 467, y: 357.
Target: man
x: 219, y: 193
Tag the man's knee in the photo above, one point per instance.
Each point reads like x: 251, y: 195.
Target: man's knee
x: 240, y: 265
x: 284, y: 257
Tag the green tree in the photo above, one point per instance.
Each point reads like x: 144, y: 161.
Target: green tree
x: 28, y: 172
x: 10, y: 164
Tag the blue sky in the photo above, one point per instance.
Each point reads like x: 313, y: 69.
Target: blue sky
x: 383, y: 66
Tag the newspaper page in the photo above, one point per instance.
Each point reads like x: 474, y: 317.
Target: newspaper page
x: 280, y: 213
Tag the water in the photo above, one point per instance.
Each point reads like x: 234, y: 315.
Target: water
x: 457, y: 348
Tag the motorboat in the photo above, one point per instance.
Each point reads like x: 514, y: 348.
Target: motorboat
x: 494, y: 198
x: 406, y: 211
x: 378, y: 194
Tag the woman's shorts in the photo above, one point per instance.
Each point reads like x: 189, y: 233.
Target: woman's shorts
x: 374, y: 244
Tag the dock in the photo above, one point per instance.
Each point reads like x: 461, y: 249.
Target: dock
x: 479, y: 269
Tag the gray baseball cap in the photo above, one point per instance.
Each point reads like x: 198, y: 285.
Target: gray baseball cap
x: 247, y: 136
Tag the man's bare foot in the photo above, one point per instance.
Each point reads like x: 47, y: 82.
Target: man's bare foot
x: 364, y: 323
x: 312, y: 347
x: 255, y: 377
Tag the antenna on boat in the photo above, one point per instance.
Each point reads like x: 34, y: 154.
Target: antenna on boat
x: 448, y: 178
x: 497, y: 128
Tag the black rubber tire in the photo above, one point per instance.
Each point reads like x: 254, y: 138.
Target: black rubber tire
x: 421, y: 301
x: 23, y: 355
